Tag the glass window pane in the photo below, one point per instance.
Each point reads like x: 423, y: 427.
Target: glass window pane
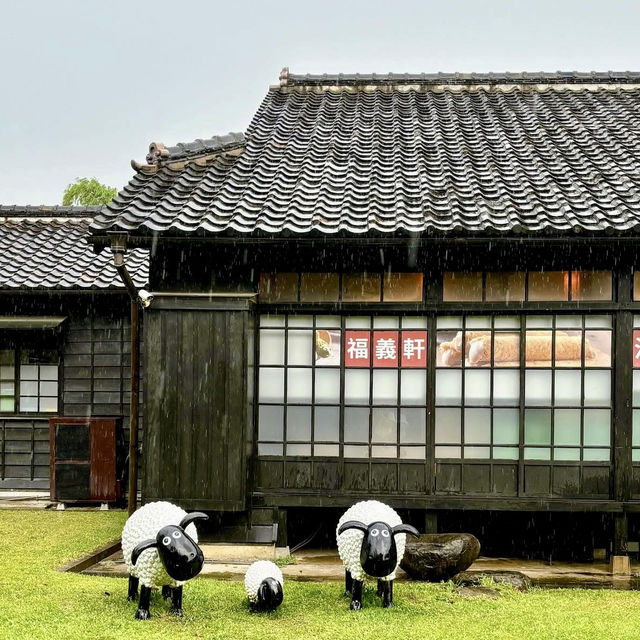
x: 385, y: 387
x: 477, y: 426
x: 300, y: 321
x: 330, y: 322
x: 271, y: 346
x: 413, y: 453
x: 564, y: 453
x: 28, y: 372
x: 462, y: 286
x: 413, y: 387
x: 328, y: 386
x: 537, y: 426
x: 537, y: 387
x: 602, y: 322
x: 269, y: 449
x: 7, y: 404
x: 478, y: 322
x: 298, y: 385
x: 451, y: 322
x: 327, y: 345
x: 636, y: 386
x: 269, y: 320
x: 448, y: 425
x: 361, y: 287
x: 597, y: 388
x: 597, y: 349
x: 591, y: 285
x: 7, y: 373
x: 28, y: 388
x: 568, y: 349
x: 326, y: 450
x: 356, y: 425
x: 48, y: 372
x: 539, y: 322
x: 504, y: 286
x: 548, y: 285
x: 566, y: 427
x: 386, y: 322
x: 270, y: 423
x: 357, y: 322
x: 505, y: 453
x: 597, y: 427
x: 569, y: 321
x: 319, y: 287
x: 506, y: 349
x: 7, y: 358
x: 538, y: 348
x: 49, y: 388
x: 635, y: 455
x: 477, y: 386
x: 48, y: 404
x: 413, y: 425
x: 506, y: 426
x: 278, y: 287
x: 7, y: 388
x: 384, y: 425
x: 327, y: 424
x: 298, y: 424
x: 506, y: 387
x: 449, y: 349
x: 537, y: 453
x: 448, y: 452
x: 356, y: 386
x: 636, y: 428
x: 414, y: 322
x: 356, y: 451
x: 568, y: 385
x: 378, y: 451
x: 506, y: 322
x: 602, y: 455
x: 476, y: 452
x: 298, y: 449
x: 28, y: 404
x: 402, y: 287
x: 448, y: 386
x: 271, y: 385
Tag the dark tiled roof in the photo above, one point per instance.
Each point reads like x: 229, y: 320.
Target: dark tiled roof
x: 47, y: 248
x: 200, y: 147
x: 511, y: 157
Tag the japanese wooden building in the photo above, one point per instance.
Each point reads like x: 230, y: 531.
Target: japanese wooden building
x: 415, y: 288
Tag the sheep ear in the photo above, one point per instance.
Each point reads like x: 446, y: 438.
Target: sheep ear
x: 406, y: 528
x: 143, y: 546
x: 190, y: 517
x: 353, y: 524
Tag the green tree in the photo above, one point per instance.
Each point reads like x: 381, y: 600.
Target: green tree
x: 85, y: 191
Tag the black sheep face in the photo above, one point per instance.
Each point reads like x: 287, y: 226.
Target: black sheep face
x: 181, y: 557
x: 378, y: 554
x: 269, y: 594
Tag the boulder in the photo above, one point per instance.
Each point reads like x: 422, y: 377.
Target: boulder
x: 439, y: 556
x: 477, y: 592
x: 517, y: 580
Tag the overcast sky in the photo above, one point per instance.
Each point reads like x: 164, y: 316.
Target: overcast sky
x: 86, y: 86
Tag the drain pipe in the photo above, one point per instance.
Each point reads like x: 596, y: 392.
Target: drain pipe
x: 138, y: 298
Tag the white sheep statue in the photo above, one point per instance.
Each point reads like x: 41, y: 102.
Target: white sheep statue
x: 263, y: 584
x: 160, y: 549
x: 371, y: 539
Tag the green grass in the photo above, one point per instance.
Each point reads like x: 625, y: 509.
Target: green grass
x: 36, y: 601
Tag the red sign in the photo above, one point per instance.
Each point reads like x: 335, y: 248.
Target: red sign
x: 414, y: 349
x: 636, y: 349
x: 385, y: 348
x: 357, y: 348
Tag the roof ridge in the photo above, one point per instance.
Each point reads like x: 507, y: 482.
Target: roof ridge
x: 49, y: 211
x: 288, y: 79
x: 158, y: 152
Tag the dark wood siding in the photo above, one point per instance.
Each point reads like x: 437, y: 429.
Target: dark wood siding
x: 197, y: 362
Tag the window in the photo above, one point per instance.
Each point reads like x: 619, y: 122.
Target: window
x: 28, y: 380
x: 557, y: 368
x: 635, y: 438
x: 354, y: 386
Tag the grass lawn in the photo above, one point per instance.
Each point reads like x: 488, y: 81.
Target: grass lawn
x: 37, y: 602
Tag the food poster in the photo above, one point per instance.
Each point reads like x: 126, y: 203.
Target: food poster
x: 328, y: 347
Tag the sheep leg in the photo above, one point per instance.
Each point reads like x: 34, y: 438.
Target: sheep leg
x: 380, y: 589
x: 387, y: 594
x: 176, y: 601
x: 143, y: 606
x: 348, y: 583
x: 356, y: 599
x: 166, y: 592
x: 132, y: 592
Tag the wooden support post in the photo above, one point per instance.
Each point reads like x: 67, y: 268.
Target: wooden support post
x: 431, y: 522
x: 281, y: 520
x: 134, y: 408
x: 620, y: 534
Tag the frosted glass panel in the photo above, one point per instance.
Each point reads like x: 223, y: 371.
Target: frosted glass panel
x: 49, y: 388
x: 477, y: 322
x: 357, y: 322
x: 449, y: 322
x: 448, y: 386
x: 597, y: 348
x: 356, y: 425
x: 386, y: 322
x: 602, y: 455
x: 448, y: 452
x: 477, y: 386
x: 636, y: 388
x: 355, y: 451
x: 597, y: 388
x: 29, y: 372
x: 300, y: 321
x: 6, y: 404
x: 270, y: 423
x: 636, y: 428
x: 300, y: 347
x: 48, y: 372
x: 298, y: 424
x: 271, y: 347
x: 384, y: 425
x: 378, y: 451
x: 413, y: 425
x: 537, y: 426
x: 534, y: 453
x: 385, y: 387
x: 566, y: 427
x: 269, y: 449
x: 538, y: 322
x: 328, y: 386
x: 561, y: 453
x: 597, y: 427
x: 6, y: 372
x: 6, y: 388
x: 506, y: 322
x: 298, y: 385
x: 48, y: 404
x: 329, y: 450
x: 506, y: 387
x: 505, y: 453
x: 271, y: 385
x: 356, y: 386
x: 329, y: 322
x: 298, y: 449
x: 448, y: 425
x: 603, y: 322
x: 29, y: 388
x: 413, y: 453
x: 327, y: 424
x: 414, y: 322
x: 568, y: 386
x: 568, y: 322
x: 476, y: 452
x: 413, y: 387
x: 537, y: 387
x: 477, y: 426
x: 268, y: 320
x: 506, y: 426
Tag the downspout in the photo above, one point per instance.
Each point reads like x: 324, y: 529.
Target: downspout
x: 138, y: 298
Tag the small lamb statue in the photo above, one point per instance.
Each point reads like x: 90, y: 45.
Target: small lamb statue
x: 263, y: 584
